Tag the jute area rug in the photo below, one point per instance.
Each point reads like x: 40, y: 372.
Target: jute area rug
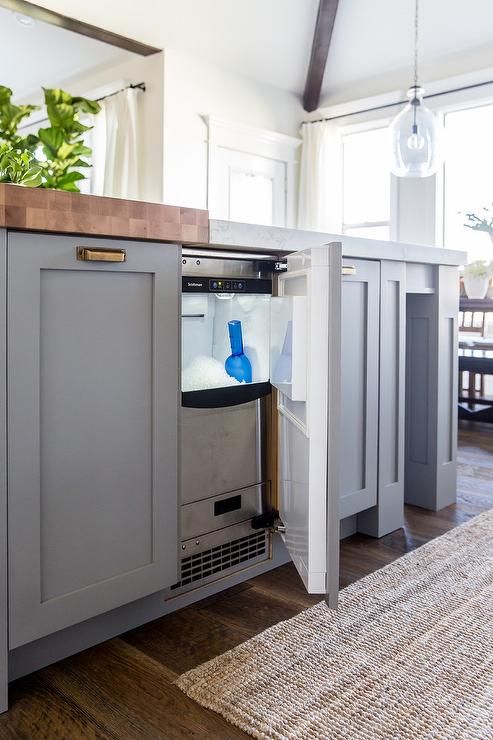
x: 409, y: 654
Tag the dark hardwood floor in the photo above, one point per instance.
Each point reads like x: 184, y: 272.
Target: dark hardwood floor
x: 124, y: 688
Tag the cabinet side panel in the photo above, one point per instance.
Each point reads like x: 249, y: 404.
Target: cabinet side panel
x: 448, y: 311
x: 3, y: 478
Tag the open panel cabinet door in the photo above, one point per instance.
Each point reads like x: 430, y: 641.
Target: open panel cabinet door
x: 306, y: 370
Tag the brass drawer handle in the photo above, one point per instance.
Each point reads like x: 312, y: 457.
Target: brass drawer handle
x: 86, y: 254
x: 348, y: 270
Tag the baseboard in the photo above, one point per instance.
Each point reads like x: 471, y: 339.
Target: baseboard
x: 62, y: 644
x: 348, y: 526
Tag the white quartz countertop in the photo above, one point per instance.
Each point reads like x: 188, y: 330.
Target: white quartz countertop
x: 273, y: 239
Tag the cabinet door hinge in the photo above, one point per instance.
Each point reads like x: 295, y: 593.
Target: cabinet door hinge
x: 267, y: 520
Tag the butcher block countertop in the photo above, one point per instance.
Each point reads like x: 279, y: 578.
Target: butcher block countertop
x: 37, y: 209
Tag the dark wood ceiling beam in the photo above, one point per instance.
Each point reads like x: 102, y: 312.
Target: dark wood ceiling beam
x: 324, y: 26
x: 71, y: 24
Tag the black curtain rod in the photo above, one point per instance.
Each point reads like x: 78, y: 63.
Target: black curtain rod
x: 400, y: 102
x: 138, y: 86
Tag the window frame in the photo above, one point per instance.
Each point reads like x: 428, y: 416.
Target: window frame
x: 349, y: 129
x: 459, y: 103
x: 229, y: 136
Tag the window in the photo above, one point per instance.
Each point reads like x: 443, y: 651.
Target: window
x: 468, y: 178
x: 249, y: 188
x: 366, y: 183
x: 251, y: 197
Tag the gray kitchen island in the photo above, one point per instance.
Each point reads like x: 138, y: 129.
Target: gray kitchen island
x: 359, y: 409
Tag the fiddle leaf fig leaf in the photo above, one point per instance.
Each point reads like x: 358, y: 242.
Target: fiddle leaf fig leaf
x: 81, y: 150
x: 5, y: 94
x: 61, y: 115
x: 12, y: 115
x: 52, y: 138
x: 79, y: 127
x: 56, y: 96
x: 86, y: 106
x: 71, y: 177
x: 65, y: 150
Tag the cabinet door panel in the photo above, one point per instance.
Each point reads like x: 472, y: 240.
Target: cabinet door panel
x: 93, y: 402
x: 309, y: 429
x: 359, y: 412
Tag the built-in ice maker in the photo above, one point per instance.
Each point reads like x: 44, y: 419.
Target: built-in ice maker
x: 223, y: 482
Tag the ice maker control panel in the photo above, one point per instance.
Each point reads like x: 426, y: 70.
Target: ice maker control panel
x: 226, y: 285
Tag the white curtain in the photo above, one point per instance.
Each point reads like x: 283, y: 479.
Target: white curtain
x: 320, y: 191
x: 116, y: 146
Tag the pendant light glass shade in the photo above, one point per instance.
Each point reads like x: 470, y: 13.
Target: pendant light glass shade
x: 415, y: 134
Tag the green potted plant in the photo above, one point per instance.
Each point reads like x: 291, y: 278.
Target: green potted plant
x: 476, y: 278
x: 56, y: 153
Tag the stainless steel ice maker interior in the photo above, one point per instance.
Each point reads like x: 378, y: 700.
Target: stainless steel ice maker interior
x: 223, y: 472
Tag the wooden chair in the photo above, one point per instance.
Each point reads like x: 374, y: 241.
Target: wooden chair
x: 471, y: 322
x: 475, y: 359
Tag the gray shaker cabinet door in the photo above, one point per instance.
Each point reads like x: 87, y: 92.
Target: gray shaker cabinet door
x: 359, y: 393
x: 92, y: 424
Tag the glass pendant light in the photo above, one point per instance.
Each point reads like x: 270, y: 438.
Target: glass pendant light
x: 415, y: 131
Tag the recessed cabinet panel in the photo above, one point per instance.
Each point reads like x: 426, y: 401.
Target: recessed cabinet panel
x: 359, y: 387
x: 95, y: 377
x: 93, y: 419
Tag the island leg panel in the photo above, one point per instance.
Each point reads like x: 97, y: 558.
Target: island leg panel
x: 431, y: 403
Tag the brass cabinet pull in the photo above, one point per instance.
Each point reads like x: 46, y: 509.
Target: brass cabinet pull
x: 348, y: 270
x: 87, y: 254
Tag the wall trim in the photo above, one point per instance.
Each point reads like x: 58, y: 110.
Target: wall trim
x: 252, y: 140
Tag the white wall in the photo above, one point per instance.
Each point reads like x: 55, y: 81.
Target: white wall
x: 195, y: 89
x: 181, y: 91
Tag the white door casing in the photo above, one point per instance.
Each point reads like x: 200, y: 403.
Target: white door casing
x: 251, y: 174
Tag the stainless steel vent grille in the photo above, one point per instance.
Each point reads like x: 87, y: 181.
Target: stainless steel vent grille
x: 217, y: 559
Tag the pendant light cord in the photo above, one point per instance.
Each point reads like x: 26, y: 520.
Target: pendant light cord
x: 414, y: 100
x: 416, y: 28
